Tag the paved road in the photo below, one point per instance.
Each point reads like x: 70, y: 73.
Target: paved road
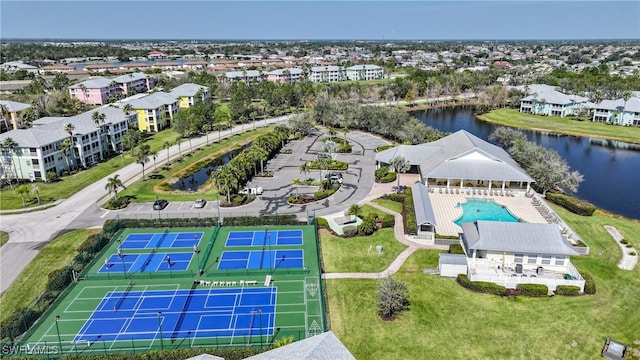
x: 29, y: 232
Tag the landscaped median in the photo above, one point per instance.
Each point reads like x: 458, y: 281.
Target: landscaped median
x: 559, y: 125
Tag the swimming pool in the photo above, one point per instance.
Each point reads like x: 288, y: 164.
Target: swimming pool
x: 484, y: 209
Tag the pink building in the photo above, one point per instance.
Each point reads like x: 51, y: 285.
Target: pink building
x: 96, y: 91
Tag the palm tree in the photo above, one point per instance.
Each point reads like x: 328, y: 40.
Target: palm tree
x: 297, y: 182
x: 154, y: 155
x: 400, y: 165
x: 356, y: 210
x: 323, y: 164
x: 167, y: 145
x: 35, y: 189
x: 22, y: 191
x: 206, y: 128
x: 70, y: 128
x: 127, y: 108
x: 113, y: 183
x: 225, y: 179
x: 11, y: 145
x: 3, y: 111
x: 99, y: 119
x: 305, y: 169
x: 179, y: 149
x: 142, y: 157
x: 626, y: 96
x: 65, y: 147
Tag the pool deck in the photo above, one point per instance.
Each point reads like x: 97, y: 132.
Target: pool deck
x: 446, y: 212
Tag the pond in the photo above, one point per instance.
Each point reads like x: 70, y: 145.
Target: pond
x: 611, y: 169
x: 199, y: 178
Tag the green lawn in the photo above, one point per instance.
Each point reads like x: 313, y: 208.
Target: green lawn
x: 447, y: 321
x: 4, y: 237
x: 33, y: 279
x: 389, y: 204
x: 352, y: 254
x: 146, y: 191
x: 69, y: 185
x: 514, y: 118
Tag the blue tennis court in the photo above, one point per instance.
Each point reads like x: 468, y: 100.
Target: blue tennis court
x: 161, y: 240
x: 180, y: 314
x: 147, y: 262
x: 265, y: 259
x: 262, y: 238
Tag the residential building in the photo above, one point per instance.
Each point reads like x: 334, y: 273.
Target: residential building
x: 510, y: 253
x: 13, y: 66
x: 189, y: 94
x: 543, y: 99
x: 155, y: 111
x: 285, y: 76
x: 10, y: 111
x: 246, y: 76
x: 329, y: 73
x: 99, y: 68
x: 364, y: 72
x: 39, y: 149
x: 56, y: 69
x: 97, y: 90
x: 619, y: 112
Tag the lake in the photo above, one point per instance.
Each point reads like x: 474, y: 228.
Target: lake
x: 611, y: 169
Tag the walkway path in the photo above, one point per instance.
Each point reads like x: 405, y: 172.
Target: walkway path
x: 628, y: 261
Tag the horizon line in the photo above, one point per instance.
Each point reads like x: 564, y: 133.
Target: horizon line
x: 309, y: 40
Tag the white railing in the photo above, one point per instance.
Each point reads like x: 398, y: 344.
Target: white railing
x: 511, y: 282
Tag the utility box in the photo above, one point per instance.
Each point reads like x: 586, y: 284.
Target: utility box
x: 378, y: 249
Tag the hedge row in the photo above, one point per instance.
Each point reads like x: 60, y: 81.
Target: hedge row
x: 456, y: 249
x: 572, y: 204
x: 390, y: 177
x: 589, y: 283
x: 333, y: 165
x: 384, y: 147
x: 288, y: 219
x: 410, y: 223
x: 388, y: 221
x: 533, y: 289
x: 567, y: 290
x: 394, y: 197
x: 480, y: 286
x: 225, y: 353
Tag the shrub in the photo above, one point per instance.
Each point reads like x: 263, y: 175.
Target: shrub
x: 350, y: 230
x: 367, y: 227
x: 569, y: 290
x: 239, y: 199
x: 388, y: 221
x: 589, y: 283
x: 480, y: 286
x: 384, y: 147
x: 393, y: 298
x: 322, y: 222
x: 409, y: 213
x: 456, y: 249
x: 390, y: 177
x: 322, y: 194
x: 292, y: 199
x: 381, y: 172
x: 344, y: 148
x: 572, y: 204
x: 533, y: 289
x: 624, y: 241
x: 394, y: 197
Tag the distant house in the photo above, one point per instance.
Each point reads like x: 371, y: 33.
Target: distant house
x: 245, y: 76
x: 619, y: 112
x: 512, y: 253
x: 329, y: 73
x: 364, y: 72
x: 98, y: 68
x: 56, y: 69
x: 155, y: 111
x: 13, y: 66
x: 136, y: 66
x: 543, y: 99
x: 156, y: 55
x: 39, y: 149
x: 189, y: 94
x: 10, y: 111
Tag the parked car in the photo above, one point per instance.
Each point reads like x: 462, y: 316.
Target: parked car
x: 324, y: 156
x: 160, y: 204
x: 334, y: 178
x: 244, y: 191
x: 199, y: 203
x: 252, y: 191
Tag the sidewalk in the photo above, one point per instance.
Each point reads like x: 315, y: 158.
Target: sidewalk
x: 628, y: 261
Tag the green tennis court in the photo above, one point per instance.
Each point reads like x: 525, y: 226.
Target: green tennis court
x: 155, y: 309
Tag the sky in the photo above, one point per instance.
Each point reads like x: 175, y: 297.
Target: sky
x: 317, y: 20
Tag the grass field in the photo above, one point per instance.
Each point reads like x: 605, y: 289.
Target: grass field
x: 107, y: 312
x: 447, y: 321
x: 389, y: 204
x: 4, y: 237
x: 353, y: 255
x: 514, y: 118
x: 146, y: 191
x: 33, y: 279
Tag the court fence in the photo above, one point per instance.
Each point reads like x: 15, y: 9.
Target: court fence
x: 253, y: 344
x: 207, y: 252
x: 321, y: 281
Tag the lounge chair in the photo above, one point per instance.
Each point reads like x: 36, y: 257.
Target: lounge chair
x: 440, y: 189
x: 457, y: 191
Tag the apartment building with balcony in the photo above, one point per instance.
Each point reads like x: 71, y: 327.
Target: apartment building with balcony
x: 39, y: 149
x: 546, y: 100
x: 286, y: 76
x: 96, y: 91
x: 618, y: 112
x: 189, y: 94
x: 154, y: 111
x: 364, y: 72
x: 329, y: 73
x: 245, y: 76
